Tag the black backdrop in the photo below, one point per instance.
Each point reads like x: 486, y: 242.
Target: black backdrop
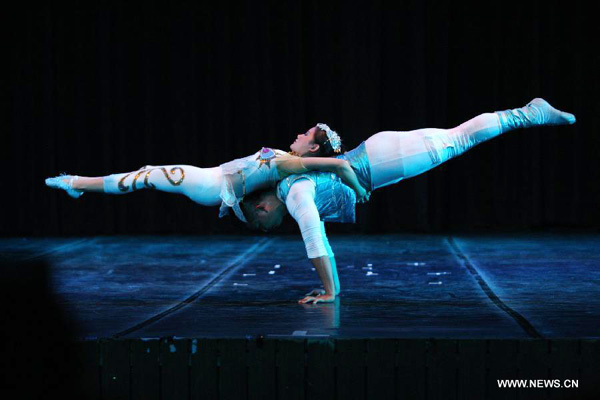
x: 100, y: 89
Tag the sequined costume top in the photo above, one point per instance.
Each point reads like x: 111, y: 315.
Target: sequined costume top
x: 359, y: 161
x: 248, y: 174
x: 334, y: 200
x: 313, y: 197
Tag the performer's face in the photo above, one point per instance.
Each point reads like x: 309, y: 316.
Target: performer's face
x: 267, y: 214
x: 266, y: 222
x: 305, y: 145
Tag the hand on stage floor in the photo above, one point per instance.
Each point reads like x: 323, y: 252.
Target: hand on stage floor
x: 323, y: 298
x: 315, y: 292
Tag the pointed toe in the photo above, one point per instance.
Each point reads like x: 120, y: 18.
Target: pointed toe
x: 64, y: 182
x: 537, y: 112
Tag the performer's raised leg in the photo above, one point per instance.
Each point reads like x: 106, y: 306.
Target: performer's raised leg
x: 400, y: 155
x: 202, y: 185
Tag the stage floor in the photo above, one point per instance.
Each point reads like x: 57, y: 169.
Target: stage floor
x: 395, y: 286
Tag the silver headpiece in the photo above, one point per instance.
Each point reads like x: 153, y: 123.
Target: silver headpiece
x: 333, y: 137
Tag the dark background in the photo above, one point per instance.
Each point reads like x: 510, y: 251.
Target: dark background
x: 94, y: 90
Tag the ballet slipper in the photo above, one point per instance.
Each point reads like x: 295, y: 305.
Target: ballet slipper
x: 65, y: 182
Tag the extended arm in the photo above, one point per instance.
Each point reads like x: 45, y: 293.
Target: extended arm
x: 338, y: 166
x: 301, y: 205
x: 336, y: 279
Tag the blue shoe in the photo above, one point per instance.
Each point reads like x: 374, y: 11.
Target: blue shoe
x: 537, y: 113
x: 65, y: 182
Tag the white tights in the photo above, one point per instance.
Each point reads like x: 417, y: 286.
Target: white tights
x: 393, y: 156
x: 400, y: 155
x: 202, y: 185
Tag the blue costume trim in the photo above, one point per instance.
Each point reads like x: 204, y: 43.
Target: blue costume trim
x: 360, y: 164
x: 334, y: 200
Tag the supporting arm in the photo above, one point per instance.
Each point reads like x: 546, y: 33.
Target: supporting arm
x: 301, y: 205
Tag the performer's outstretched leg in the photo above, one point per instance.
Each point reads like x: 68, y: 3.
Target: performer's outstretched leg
x: 400, y: 155
x: 202, y: 185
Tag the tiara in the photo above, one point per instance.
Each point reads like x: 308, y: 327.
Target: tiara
x: 333, y: 137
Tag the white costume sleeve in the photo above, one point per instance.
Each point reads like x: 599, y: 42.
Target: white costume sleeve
x: 301, y: 205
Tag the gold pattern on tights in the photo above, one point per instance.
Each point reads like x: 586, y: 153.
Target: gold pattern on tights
x: 164, y: 171
x: 135, y: 178
x: 174, y: 182
x: 122, y: 186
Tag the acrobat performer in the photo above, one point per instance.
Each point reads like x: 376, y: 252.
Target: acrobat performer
x: 383, y: 159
